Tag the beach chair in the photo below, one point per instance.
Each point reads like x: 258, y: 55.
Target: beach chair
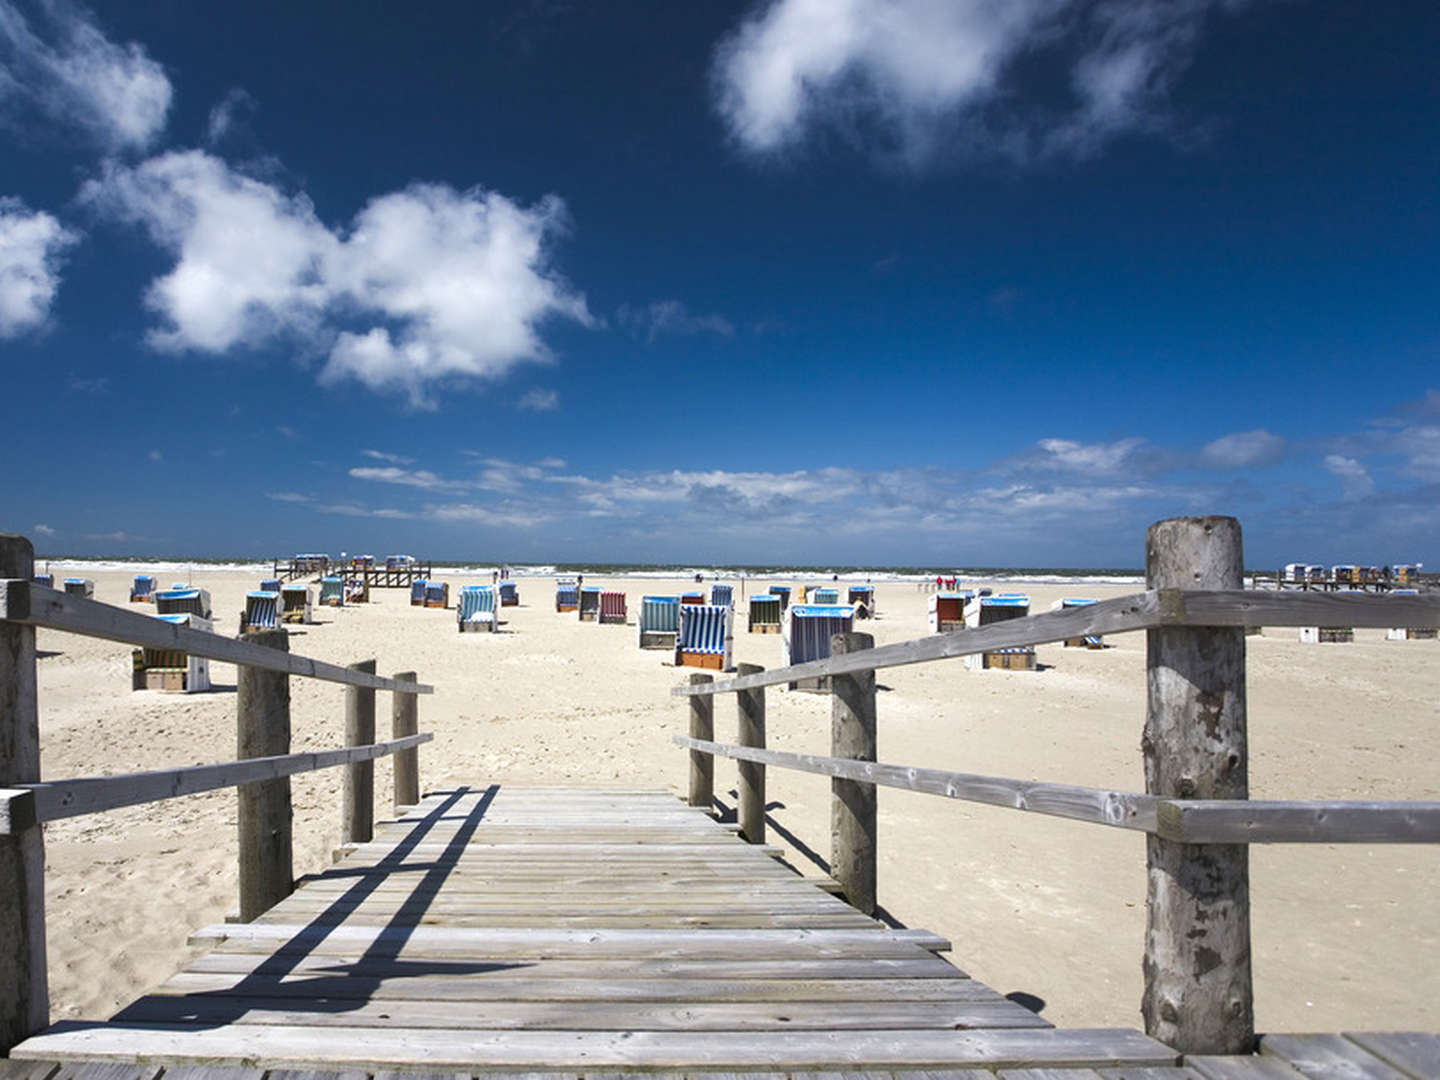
x: 1406, y: 574
x: 262, y: 611
x: 47, y: 580
x: 332, y: 591
x: 947, y: 611
x: 783, y: 592
x: 399, y: 562
x: 589, y: 604
x: 766, y: 610
x: 437, y: 594
x: 705, y: 637
x: 295, y: 604
x: 1327, y: 635
x: 612, y: 608
x: 989, y: 610
x: 1084, y: 641
x: 722, y: 595
x: 182, y: 600
x: 823, y: 596
x: 417, y: 592
x: 1345, y: 574
x: 509, y: 594
x: 357, y: 590
x: 477, y: 609
x: 862, y: 594
x: 79, y: 586
x: 142, y: 589
x: 692, y: 598
x: 172, y: 671
x: 805, y: 635
x: 1410, y: 633
x: 270, y: 584
x: 567, y: 595
x: 659, y: 621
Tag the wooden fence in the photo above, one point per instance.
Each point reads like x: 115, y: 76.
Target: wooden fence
x: 261, y: 775
x: 1195, y: 810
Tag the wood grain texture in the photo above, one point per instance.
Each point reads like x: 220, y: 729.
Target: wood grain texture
x: 750, y: 722
x: 1236, y: 821
x: 263, y: 812
x: 357, y: 785
x: 702, y: 726
x: 854, y: 817
x: 405, y: 720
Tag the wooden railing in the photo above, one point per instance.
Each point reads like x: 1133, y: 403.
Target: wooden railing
x: 1196, y: 809
x: 261, y: 775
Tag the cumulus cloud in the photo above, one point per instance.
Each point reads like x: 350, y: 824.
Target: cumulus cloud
x: 671, y: 317
x: 1244, y: 450
x: 427, y: 284
x: 910, y: 75
x: 1355, y: 479
x: 32, y: 245
x: 66, y: 69
x: 538, y: 400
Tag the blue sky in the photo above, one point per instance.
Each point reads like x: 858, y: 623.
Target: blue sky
x: 866, y: 281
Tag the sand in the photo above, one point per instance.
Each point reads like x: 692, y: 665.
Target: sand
x: 1344, y: 937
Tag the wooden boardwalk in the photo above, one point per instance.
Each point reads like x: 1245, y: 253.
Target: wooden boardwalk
x: 583, y: 932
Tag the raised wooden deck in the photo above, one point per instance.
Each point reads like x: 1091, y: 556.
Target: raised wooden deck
x: 582, y: 932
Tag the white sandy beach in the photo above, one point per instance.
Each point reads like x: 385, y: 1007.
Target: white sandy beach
x: 1345, y: 938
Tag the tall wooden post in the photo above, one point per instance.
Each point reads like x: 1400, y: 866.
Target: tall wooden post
x: 24, y: 993
x: 1198, y: 994
x: 262, y: 729
x: 357, y: 791
x: 702, y: 726
x: 405, y: 720
x: 751, y: 706
x: 852, y: 802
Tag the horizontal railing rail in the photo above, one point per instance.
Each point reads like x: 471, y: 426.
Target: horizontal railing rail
x: 1148, y: 610
x: 34, y: 605
x: 30, y: 804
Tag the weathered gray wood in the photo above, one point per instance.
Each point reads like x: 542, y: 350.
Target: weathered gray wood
x: 702, y: 726
x: 1150, y: 1072
x: 317, y: 1074
x: 1329, y: 1057
x: 1241, y: 1067
x: 1236, y: 821
x: 28, y: 1070
x: 24, y: 996
x: 213, y: 1072
x: 58, y: 799
x: 1250, y: 607
x: 405, y: 720
x: 1413, y: 1052
x: 1122, y: 809
x: 264, y: 819
x: 105, y: 1070
x: 357, y: 790
x: 383, y: 1048
x: 1048, y: 1074
x: 30, y: 605
x: 750, y: 705
x: 853, y: 816
x: 1106, y: 617
x: 1198, y: 994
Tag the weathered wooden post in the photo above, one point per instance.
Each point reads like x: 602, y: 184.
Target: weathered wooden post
x: 357, y: 791
x: 405, y: 720
x: 702, y: 726
x: 751, y: 706
x: 852, y: 802
x: 24, y: 991
x: 1198, y: 994
x: 262, y: 729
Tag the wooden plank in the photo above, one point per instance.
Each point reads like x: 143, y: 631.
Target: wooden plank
x: 1254, y: 821
x: 22, y: 602
x: 57, y: 799
x: 385, y: 1048
x: 1328, y: 1057
x: 106, y: 1070
x: 589, y: 1015
x: 1241, y: 1067
x: 317, y: 1074
x: 1150, y: 1072
x: 1413, y: 1052
x: 27, y: 1070
x: 599, y: 922
x: 212, y: 1072
x: 1252, y: 607
x: 1120, y: 809
x: 1048, y: 1074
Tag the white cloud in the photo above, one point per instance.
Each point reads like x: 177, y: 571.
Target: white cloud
x: 43, y: 530
x: 229, y: 112
x: 538, y: 400
x: 671, y: 317
x: 98, y: 385
x: 1095, y: 459
x: 155, y: 455
x: 32, y: 244
x: 393, y: 459
x: 910, y: 75
x: 428, y: 284
x: 419, y: 478
x: 72, y: 73
x: 289, y: 497
x: 1355, y: 479
x: 1243, y: 450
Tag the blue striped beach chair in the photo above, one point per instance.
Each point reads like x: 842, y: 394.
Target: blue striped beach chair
x: 172, y: 670
x: 509, y: 594
x: 262, y: 611
x: 79, y: 586
x: 142, y: 589
x: 783, y: 592
x: 477, y: 609
x: 437, y: 594
x: 989, y: 610
x: 589, y: 604
x: 862, y: 594
x: 1084, y: 641
x: 270, y: 584
x: 823, y: 596
x: 705, y: 637
x: 332, y: 591
x: 295, y: 604
x: 417, y: 592
x: 47, y: 580
x: 567, y: 595
x: 659, y: 621
x: 722, y: 595
x: 766, y: 610
x: 805, y: 635
x: 182, y: 600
